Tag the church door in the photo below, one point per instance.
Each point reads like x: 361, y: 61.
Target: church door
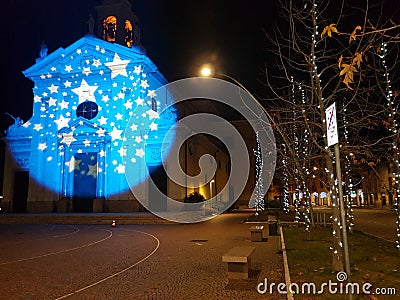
x: 159, y: 176
x: 20, y: 195
x: 85, y: 181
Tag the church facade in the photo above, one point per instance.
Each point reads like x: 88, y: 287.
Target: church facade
x: 93, y: 102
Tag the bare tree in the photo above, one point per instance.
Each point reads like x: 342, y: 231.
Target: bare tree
x: 326, y: 52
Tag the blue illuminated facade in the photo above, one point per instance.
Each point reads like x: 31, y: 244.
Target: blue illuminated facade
x: 84, y: 96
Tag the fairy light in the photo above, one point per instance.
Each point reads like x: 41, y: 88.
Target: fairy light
x: 336, y: 223
x: 316, y: 77
x: 306, y: 171
x: 296, y: 150
x: 259, y: 188
x: 347, y: 166
x: 285, y: 181
x: 314, y: 35
x: 394, y: 129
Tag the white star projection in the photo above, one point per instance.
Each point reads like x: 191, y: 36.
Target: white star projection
x: 37, y: 127
x: 85, y: 92
x: 116, y: 134
x: 140, y: 152
x: 73, y: 164
x: 68, y: 68
x: 138, y: 70
x: 86, y: 143
x: 128, y: 104
x: 101, y: 132
x: 118, y: 66
x: 152, y: 114
x: 120, y: 169
x: 116, y: 83
x: 62, y: 122
x: 53, y: 88
x: 96, y: 63
x: 52, y: 102
x: 68, y: 138
x: 102, y: 120
x: 42, y: 146
x: 63, y: 104
x: 92, y: 170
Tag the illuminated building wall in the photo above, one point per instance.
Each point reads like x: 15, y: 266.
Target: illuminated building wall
x: 71, y: 155
x: 73, y: 145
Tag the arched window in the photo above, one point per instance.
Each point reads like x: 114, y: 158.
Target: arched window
x: 154, y: 104
x: 128, y: 33
x: 110, y: 29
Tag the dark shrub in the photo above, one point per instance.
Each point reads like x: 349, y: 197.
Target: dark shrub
x: 274, y: 204
x: 194, y: 197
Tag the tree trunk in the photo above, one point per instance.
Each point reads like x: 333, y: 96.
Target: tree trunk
x: 337, y: 254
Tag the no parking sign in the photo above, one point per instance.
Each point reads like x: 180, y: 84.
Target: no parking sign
x: 331, y: 125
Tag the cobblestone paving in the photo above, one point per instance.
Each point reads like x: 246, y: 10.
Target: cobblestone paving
x: 179, y: 261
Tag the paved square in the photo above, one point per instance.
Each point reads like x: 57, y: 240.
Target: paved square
x: 170, y: 261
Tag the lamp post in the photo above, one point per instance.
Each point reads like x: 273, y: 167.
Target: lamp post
x: 186, y: 158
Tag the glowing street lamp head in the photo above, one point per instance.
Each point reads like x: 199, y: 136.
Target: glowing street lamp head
x: 206, y: 71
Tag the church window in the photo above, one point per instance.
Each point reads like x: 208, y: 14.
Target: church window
x: 154, y: 104
x: 87, y: 110
x: 128, y: 33
x: 110, y: 29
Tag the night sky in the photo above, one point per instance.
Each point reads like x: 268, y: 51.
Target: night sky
x: 178, y: 36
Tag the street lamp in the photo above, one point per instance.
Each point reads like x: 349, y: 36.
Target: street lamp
x: 206, y: 71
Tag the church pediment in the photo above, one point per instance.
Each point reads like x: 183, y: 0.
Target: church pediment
x: 82, y: 126
x: 82, y: 131
x: 87, y: 56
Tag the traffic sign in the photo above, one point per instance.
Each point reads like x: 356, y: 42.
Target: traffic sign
x: 331, y: 125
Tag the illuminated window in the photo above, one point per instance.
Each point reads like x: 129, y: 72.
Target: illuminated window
x: 110, y: 29
x: 87, y: 110
x: 128, y: 33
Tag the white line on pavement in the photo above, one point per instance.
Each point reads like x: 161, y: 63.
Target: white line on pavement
x: 119, y: 272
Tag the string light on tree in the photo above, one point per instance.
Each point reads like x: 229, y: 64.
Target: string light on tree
x: 259, y: 188
x: 337, y: 244
x: 392, y: 106
x: 296, y: 152
x: 285, y: 181
x: 349, y: 183
x: 306, y: 171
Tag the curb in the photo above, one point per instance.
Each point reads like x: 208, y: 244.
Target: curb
x: 378, y: 237
x: 82, y: 218
x: 286, y: 266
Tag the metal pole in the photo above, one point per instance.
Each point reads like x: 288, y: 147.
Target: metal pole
x: 342, y: 213
x: 186, y: 151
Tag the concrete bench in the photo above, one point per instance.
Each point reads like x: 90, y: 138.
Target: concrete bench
x: 239, y: 261
x: 257, y: 233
